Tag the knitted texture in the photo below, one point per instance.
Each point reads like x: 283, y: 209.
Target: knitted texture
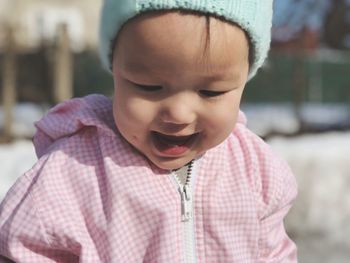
x: 253, y: 16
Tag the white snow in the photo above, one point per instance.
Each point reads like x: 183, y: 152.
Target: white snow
x: 15, y: 159
x: 264, y: 119
x: 24, y: 114
x: 282, y: 118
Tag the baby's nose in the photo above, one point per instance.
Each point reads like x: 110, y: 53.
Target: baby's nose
x: 179, y: 109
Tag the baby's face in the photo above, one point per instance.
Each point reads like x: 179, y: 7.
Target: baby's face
x: 174, y: 100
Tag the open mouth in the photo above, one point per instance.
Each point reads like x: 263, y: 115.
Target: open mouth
x: 173, y: 145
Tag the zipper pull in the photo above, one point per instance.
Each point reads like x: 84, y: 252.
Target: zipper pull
x: 187, y: 193
x: 185, y: 204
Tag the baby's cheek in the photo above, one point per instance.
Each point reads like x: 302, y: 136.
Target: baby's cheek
x: 222, y: 119
x: 217, y: 130
x: 140, y: 111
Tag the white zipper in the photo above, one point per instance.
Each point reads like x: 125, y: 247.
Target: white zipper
x: 187, y: 215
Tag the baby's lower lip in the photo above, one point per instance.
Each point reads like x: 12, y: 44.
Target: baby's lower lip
x: 172, y: 145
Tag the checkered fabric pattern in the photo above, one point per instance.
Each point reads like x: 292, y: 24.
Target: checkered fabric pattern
x: 92, y: 198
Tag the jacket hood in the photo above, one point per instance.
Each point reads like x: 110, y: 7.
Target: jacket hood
x: 69, y: 117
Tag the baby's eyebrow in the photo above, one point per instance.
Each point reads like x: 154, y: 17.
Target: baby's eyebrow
x: 212, y: 75
x: 217, y: 77
x: 134, y: 67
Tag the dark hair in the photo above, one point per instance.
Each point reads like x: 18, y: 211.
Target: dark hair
x: 208, y: 17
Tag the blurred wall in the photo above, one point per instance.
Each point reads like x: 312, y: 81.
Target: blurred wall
x: 35, y: 20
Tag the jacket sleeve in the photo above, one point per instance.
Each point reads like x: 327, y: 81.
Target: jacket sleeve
x: 279, y: 189
x: 22, y: 232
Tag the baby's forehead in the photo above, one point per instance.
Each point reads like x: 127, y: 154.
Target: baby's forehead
x: 158, y: 45
x: 194, y: 36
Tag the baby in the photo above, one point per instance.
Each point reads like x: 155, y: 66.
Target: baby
x: 167, y: 171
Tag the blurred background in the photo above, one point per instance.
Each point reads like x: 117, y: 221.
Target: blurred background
x: 299, y: 102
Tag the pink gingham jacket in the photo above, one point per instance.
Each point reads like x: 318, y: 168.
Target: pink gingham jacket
x: 92, y: 198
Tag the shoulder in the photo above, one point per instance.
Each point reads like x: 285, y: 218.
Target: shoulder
x: 68, y: 185
x: 71, y: 117
x: 77, y: 162
x: 267, y: 172
x: 253, y: 149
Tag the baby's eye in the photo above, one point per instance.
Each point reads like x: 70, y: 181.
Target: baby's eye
x: 211, y: 93
x: 148, y: 88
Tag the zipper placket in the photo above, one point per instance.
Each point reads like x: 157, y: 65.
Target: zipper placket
x: 187, y: 214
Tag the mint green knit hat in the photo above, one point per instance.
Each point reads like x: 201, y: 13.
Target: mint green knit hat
x: 253, y: 16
